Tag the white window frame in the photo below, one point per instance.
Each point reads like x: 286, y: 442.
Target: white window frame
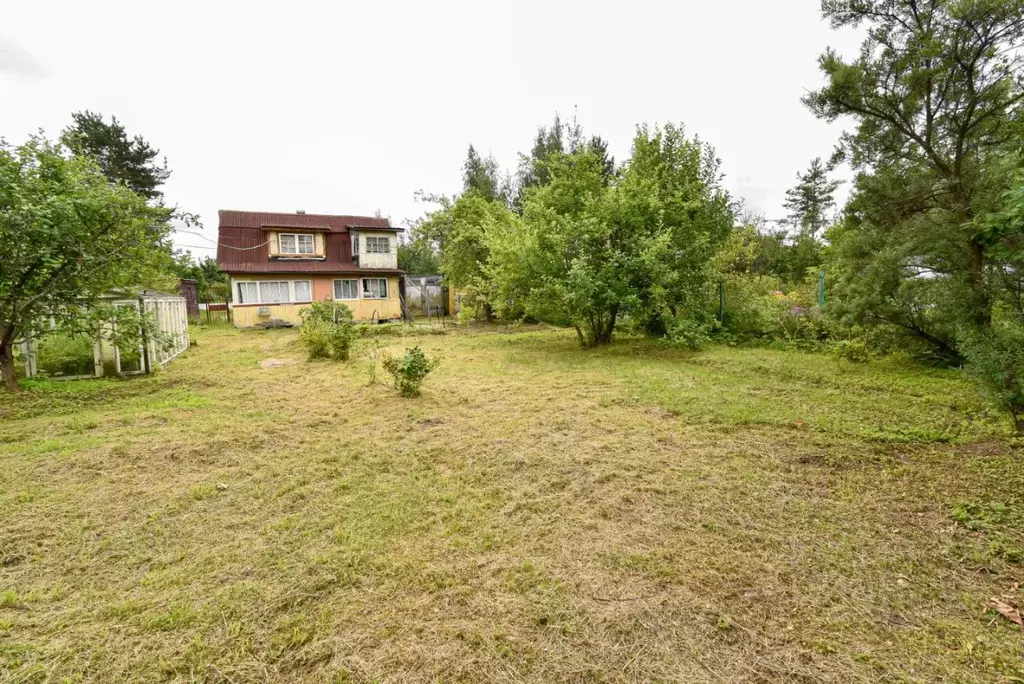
x: 241, y: 298
x: 365, y: 291
x: 287, y: 290
x: 375, y: 246
x: 297, y: 251
x: 295, y: 290
x: 290, y: 292
x: 354, y: 281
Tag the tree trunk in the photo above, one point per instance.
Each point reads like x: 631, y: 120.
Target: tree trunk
x: 976, y: 267
x: 488, y: 313
x: 7, y: 359
x: 605, y: 328
x: 579, y: 335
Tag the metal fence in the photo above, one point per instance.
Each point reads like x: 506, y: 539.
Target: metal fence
x: 425, y: 295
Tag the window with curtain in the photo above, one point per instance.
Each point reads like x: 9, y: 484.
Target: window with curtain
x: 247, y: 293
x: 272, y: 292
x: 303, y: 291
x: 295, y: 243
x: 346, y: 289
x: 375, y: 288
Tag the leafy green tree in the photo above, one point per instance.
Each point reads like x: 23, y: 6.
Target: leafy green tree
x: 589, y: 251
x: 933, y: 94
x: 204, y: 271
x: 811, y: 201
x: 416, y: 253
x: 599, y: 146
x: 570, y: 261
x: 755, y: 249
x: 133, y: 162
x: 482, y: 176
x: 996, y: 354
x: 460, y: 229
x: 673, y: 184
x: 123, y: 159
x: 559, y: 138
x: 533, y: 168
x: 67, y: 236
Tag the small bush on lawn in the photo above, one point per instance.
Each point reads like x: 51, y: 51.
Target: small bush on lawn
x: 409, y: 370
x: 854, y: 351
x: 327, y: 331
x: 686, y: 333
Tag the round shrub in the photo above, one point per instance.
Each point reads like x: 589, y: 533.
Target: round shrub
x: 409, y: 370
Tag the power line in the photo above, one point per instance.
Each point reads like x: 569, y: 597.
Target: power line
x: 219, y: 244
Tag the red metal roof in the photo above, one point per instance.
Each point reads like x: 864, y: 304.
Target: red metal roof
x: 266, y: 219
x: 242, y: 241
x: 283, y: 224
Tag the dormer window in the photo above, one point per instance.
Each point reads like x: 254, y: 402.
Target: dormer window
x: 378, y: 245
x: 296, y: 243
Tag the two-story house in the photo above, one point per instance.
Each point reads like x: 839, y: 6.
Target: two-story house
x: 279, y: 263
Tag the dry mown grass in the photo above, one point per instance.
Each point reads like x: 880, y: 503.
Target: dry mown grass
x: 539, y: 514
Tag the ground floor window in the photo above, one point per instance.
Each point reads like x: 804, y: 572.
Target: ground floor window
x: 274, y: 292
x: 247, y: 293
x: 375, y: 288
x: 346, y: 289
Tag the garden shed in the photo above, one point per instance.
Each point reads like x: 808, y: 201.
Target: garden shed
x: 66, y: 357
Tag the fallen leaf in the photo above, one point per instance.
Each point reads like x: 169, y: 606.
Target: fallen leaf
x: 1007, y: 610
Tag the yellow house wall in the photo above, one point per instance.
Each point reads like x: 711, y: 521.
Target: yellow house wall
x: 362, y: 309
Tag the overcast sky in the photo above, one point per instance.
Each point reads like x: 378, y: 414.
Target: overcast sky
x: 351, y: 107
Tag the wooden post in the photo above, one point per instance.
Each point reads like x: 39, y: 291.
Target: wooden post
x: 721, y: 301
x: 145, y: 340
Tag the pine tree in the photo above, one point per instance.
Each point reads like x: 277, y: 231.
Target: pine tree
x: 533, y: 168
x: 130, y: 161
x: 551, y: 141
x: 481, y: 176
x: 810, y: 201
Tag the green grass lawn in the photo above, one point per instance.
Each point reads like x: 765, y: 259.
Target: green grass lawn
x: 541, y: 513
